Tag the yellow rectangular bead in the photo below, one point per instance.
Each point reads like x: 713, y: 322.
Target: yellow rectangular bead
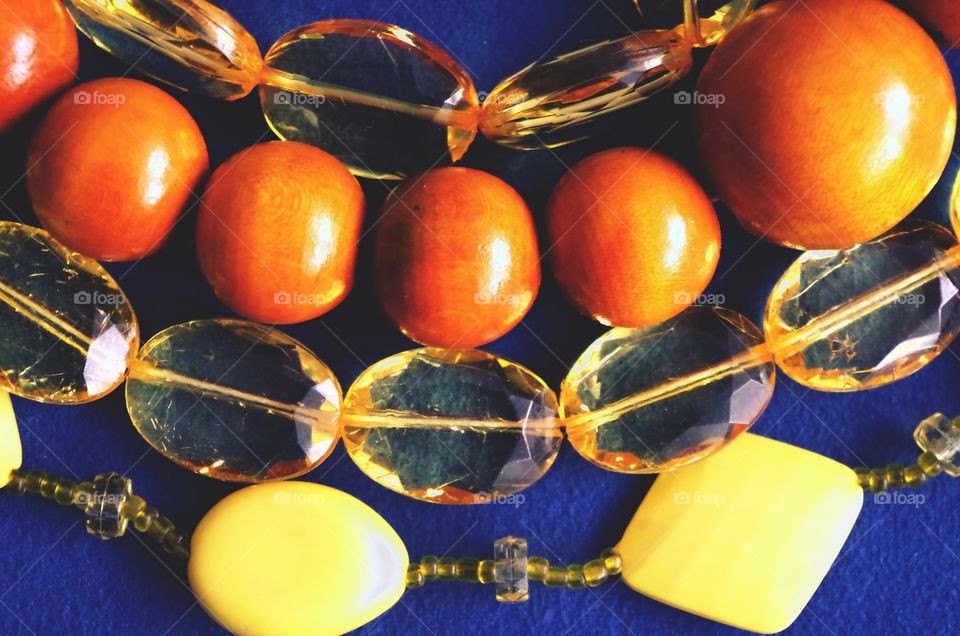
x: 743, y: 537
x: 11, y: 454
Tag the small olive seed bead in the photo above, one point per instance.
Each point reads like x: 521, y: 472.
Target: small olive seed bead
x: 132, y: 505
x: 878, y: 480
x: 415, y: 577
x: 468, y: 570
x: 160, y: 528
x: 537, y: 568
x: 863, y: 477
x: 65, y: 494
x: 145, y: 518
x: 33, y: 482
x: 428, y: 565
x: 894, y: 476
x: 447, y: 569
x: 575, y: 580
x: 929, y: 464
x: 914, y: 476
x: 612, y: 561
x: 556, y: 576
x: 48, y: 487
x: 487, y: 571
x: 17, y: 485
x: 594, y: 573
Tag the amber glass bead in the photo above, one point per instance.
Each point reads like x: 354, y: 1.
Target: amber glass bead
x: 428, y: 565
x: 768, y: 143
x: 852, y: 319
x: 929, y: 464
x: 648, y: 400
x: 575, y: 578
x: 192, y: 45
x: 702, y: 22
x: 456, y: 262
x: 611, y: 561
x: 878, y: 480
x: 68, y: 330
x: 595, y: 573
x: 38, y: 56
x: 234, y: 400
x: 455, y: 427
x: 448, y: 568
x: 111, y: 167
x: 415, y: 577
x: 277, y: 232
x: 556, y: 576
x: 654, y: 238
x: 914, y: 477
x: 487, y: 571
x: 468, y: 570
x: 568, y: 98
x: 384, y: 101
x: 537, y: 568
x: 894, y: 476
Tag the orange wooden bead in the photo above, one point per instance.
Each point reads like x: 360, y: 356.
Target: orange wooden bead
x: 111, y: 167
x: 634, y: 238
x: 836, y: 119
x: 942, y: 17
x: 278, y: 230
x: 456, y: 258
x: 38, y: 55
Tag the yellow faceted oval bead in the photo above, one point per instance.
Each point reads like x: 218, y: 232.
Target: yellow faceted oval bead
x: 11, y: 453
x: 234, y: 400
x: 68, y: 330
x: 189, y: 44
x: 853, y: 319
x: 384, y: 101
x: 454, y: 427
x: 652, y: 399
x: 565, y: 99
x: 295, y: 558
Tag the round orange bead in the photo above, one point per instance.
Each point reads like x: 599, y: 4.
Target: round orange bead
x: 634, y: 238
x: 836, y: 141
x: 111, y: 167
x: 278, y: 230
x: 456, y: 261
x: 940, y: 16
x: 38, y: 55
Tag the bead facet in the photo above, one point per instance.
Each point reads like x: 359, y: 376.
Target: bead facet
x: 510, y: 556
x: 384, y: 101
x: 11, y: 452
x: 452, y: 427
x: 189, y: 44
x: 68, y: 329
x: 234, y: 400
x: 697, y: 22
x: 103, y: 511
x: 939, y: 438
x: 853, y: 319
x: 295, y: 557
x: 743, y: 537
x: 647, y: 400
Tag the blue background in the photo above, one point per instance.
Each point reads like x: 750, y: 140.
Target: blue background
x: 897, y: 574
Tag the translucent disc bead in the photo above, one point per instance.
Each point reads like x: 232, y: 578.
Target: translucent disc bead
x: 452, y: 427
x: 67, y: 329
x: 564, y: 100
x: 703, y: 22
x: 940, y: 435
x: 234, y: 400
x: 648, y: 400
x: 384, y: 101
x: 853, y: 319
x: 189, y: 44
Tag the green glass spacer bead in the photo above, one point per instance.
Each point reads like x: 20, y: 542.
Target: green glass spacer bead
x: 160, y: 528
x: 575, y: 579
x: 428, y: 565
x: 65, y: 494
x: 929, y: 464
x: 172, y: 542
x: 612, y: 561
x: 914, y: 476
x: 863, y: 477
x: 48, y: 487
x: 415, y: 578
x: 145, y: 518
x: 468, y: 570
x: 537, y: 568
x: 594, y: 573
x: 33, y: 480
x: 447, y: 569
x: 132, y: 506
x: 894, y: 476
x: 487, y: 571
x: 17, y: 486
x: 878, y: 480
x: 556, y: 576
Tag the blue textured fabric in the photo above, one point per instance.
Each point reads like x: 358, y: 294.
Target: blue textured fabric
x: 896, y: 575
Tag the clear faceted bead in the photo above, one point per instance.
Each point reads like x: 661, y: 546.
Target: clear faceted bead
x: 384, y: 101
x: 704, y: 22
x: 852, y: 319
x: 456, y: 427
x: 234, y: 400
x: 103, y: 511
x: 189, y: 44
x: 68, y: 330
x: 940, y: 435
x: 648, y: 400
x: 510, y: 570
x: 567, y: 98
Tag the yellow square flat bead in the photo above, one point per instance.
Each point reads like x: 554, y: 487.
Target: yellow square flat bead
x: 743, y: 537
x: 11, y: 454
